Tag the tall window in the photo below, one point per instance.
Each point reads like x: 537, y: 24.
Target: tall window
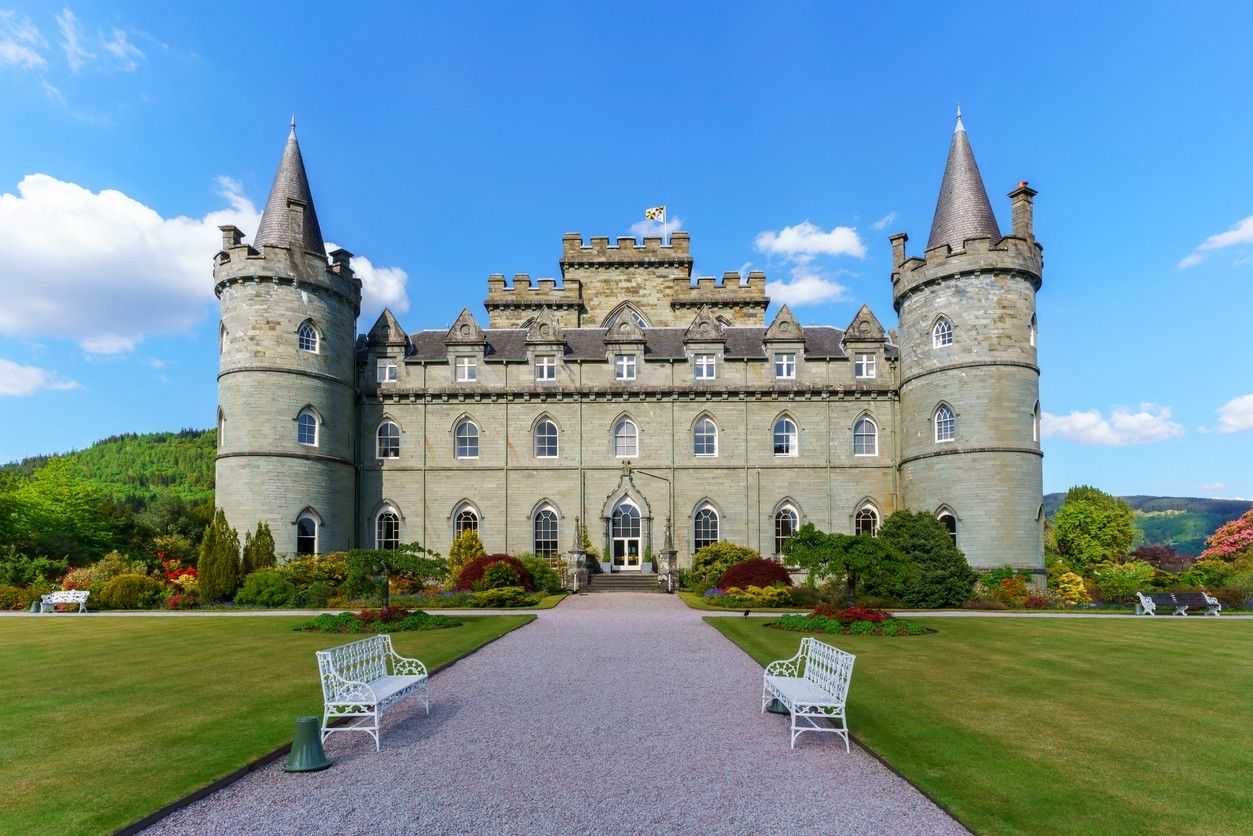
x: 467, y: 369
x: 546, y: 367
x: 945, y: 423
x: 865, y: 438
x: 785, y: 366
x: 705, y: 438
x: 624, y: 367
x: 546, y: 532
x: 863, y: 366
x: 786, y: 522
x: 785, y: 442
x: 706, y: 366
x: 1031, y: 329
x: 307, y: 337
x: 387, y: 530
x: 221, y: 428
x: 307, y: 428
x: 1035, y: 422
x: 306, y: 534
x: 626, y: 439
x: 466, y: 443
x: 950, y: 523
x: 704, y: 528
x: 942, y: 333
x: 546, y: 440
x: 465, y: 520
x: 221, y: 337
x: 866, y: 522
x: 387, y: 370
x: 388, y: 441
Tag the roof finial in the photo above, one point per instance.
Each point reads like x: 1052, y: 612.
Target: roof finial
x: 293, y: 120
x: 960, y: 126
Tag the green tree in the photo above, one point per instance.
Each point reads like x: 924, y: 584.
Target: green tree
x: 1092, y: 527
x: 465, y: 548
x: 934, y: 572
x: 219, y: 565
x: 56, y: 511
x: 371, y: 570
x: 847, y: 557
x: 258, y: 549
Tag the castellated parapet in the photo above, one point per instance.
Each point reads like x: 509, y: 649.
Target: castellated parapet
x: 515, y: 305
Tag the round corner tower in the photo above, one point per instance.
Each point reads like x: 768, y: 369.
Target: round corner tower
x: 286, y: 394
x: 970, y: 382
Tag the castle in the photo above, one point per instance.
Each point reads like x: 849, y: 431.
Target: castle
x: 630, y: 398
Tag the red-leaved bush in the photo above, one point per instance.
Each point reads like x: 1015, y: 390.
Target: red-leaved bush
x: 1036, y: 602
x: 473, y: 571
x: 851, y: 614
x: 756, y: 572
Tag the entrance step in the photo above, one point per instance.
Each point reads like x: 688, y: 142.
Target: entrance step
x: 623, y: 582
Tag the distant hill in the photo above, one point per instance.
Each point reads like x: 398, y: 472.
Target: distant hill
x: 134, y: 466
x: 1180, y: 521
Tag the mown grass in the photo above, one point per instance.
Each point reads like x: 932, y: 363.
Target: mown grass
x: 106, y: 720
x: 1056, y: 725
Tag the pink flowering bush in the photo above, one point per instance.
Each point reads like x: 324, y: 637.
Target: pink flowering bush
x: 1234, y: 540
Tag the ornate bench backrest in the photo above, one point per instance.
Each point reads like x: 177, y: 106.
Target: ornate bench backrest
x: 359, y: 661
x: 67, y: 596
x: 827, y: 667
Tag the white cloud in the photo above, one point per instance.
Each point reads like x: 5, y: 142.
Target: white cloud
x: 1211, y: 488
x: 1123, y: 427
x: 125, y: 53
x: 884, y: 221
x: 18, y: 380
x: 72, y: 40
x: 20, y: 41
x: 806, y: 287
x: 381, y: 287
x: 805, y: 240
x: 1241, y: 233
x: 1236, y: 416
x: 106, y: 271
x: 653, y: 229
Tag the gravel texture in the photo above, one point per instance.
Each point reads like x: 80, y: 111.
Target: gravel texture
x: 614, y: 713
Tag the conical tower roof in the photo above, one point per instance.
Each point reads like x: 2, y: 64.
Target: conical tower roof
x: 963, y: 210
x: 290, y: 183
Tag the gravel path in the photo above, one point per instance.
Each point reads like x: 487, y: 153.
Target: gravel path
x: 575, y: 724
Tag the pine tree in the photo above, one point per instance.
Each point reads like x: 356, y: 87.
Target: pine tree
x: 464, y: 548
x: 258, y: 549
x: 219, y: 566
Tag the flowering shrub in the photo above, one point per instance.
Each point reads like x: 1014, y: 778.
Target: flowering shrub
x: 507, y: 596
x: 184, y: 600
x: 1233, y: 540
x: 1037, y: 602
x: 1011, y: 592
x: 756, y: 596
x: 1120, y: 581
x: 1071, y: 590
x: 375, y: 621
x: 758, y: 572
x: 473, y: 572
x: 863, y: 626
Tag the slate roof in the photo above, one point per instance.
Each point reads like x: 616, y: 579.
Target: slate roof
x: 505, y: 344
x: 290, y: 183
x: 963, y: 210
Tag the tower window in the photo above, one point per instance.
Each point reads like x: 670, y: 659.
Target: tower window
x: 624, y: 367
x: 785, y: 438
x: 387, y: 370
x: 466, y: 440
x: 706, y: 366
x: 545, y: 367
x: 626, y: 439
x: 786, y: 522
x: 1035, y: 422
x: 388, y: 441
x: 546, y: 532
x: 865, y: 438
x: 307, y: 337
x: 950, y: 524
x: 1031, y: 329
x: 863, y: 367
x: 704, y: 528
x: 942, y: 333
x: 705, y: 438
x: 467, y: 519
x: 785, y: 367
x: 866, y: 522
x: 945, y: 423
x: 387, y: 530
x: 467, y: 370
x: 307, y: 429
x: 306, y: 534
x: 546, y: 439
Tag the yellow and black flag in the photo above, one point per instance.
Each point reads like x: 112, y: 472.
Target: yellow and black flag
x: 657, y: 213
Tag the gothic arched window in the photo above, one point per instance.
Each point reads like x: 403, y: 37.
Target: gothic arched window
x: 945, y: 423
x: 307, y: 428
x: 705, y: 437
x: 785, y: 437
x: 942, y: 333
x: 866, y: 521
x: 545, y: 527
x: 786, y: 523
x: 626, y: 439
x: 865, y: 437
x: 388, y: 441
x: 704, y: 528
x: 387, y: 529
x: 466, y: 440
x: 546, y: 439
x: 466, y: 519
x: 306, y: 534
x: 307, y: 337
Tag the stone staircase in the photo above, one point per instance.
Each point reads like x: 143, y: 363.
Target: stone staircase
x: 623, y: 582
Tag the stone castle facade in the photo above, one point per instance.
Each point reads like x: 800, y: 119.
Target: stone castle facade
x: 630, y: 396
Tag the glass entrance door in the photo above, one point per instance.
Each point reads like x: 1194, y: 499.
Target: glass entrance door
x: 624, y: 531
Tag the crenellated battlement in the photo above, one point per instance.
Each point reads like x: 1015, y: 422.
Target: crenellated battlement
x: 729, y: 289
x: 1008, y: 254
x: 626, y: 251
x: 239, y: 261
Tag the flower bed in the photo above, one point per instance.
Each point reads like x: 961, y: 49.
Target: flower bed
x: 852, y: 621
x: 391, y: 620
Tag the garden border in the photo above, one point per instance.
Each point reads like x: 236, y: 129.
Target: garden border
x: 269, y: 758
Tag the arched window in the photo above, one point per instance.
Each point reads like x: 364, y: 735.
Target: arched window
x: 786, y: 522
x: 1031, y: 329
x: 221, y: 337
x: 1035, y: 422
x: 945, y: 423
x: 950, y: 523
x: 306, y: 534
x: 466, y: 445
x: 942, y: 333
x: 388, y: 441
x: 546, y: 532
x: 705, y: 437
x: 466, y: 519
x: 307, y: 428
x: 865, y: 437
x: 387, y: 529
x: 307, y: 337
x: 221, y: 429
x: 704, y: 528
x: 626, y: 439
x: 624, y: 534
x: 627, y: 311
x: 866, y: 521
x: 785, y: 439
x: 546, y: 440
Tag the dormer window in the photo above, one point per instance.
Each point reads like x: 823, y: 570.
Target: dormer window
x: 624, y: 367
x: 545, y: 368
x: 706, y: 366
x: 863, y: 366
x: 467, y: 369
x: 387, y: 370
x: 785, y: 367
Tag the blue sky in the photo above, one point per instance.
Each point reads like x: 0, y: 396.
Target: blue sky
x: 446, y: 143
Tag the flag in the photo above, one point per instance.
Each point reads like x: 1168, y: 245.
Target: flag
x: 657, y: 213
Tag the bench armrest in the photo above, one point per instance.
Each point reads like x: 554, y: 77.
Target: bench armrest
x: 351, y: 691
x: 404, y: 666
x: 785, y: 667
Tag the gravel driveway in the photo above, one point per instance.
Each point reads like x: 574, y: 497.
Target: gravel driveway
x: 614, y: 713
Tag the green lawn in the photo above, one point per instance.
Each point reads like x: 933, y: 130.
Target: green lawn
x: 1057, y: 725
x: 106, y: 720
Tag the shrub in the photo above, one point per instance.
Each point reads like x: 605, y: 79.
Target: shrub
x: 330, y: 569
x: 1092, y: 527
x: 1206, y: 573
x: 935, y: 572
x: 848, y: 615
x: 756, y: 572
x: 543, y: 576
x: 219, y: 564
x: 132, y: 592
x: 369, y: 621
x: 1037, y: 602
x: 33, y: 593
x: 258, y: 549
x: 498, y: 576
x: 18, y: 569
x: 1242, y: 582
x: 472, y: 573
x: 756, y: 596
x: 1231, y: 541
x: 464, y: 549
x: 505, y: 596
x: 711, y: 561
x: 266, y: 588
x: 1011, y: 591
x: 312, y: 596
x: 1119, y: 582
x: 861, y: 628
x: 1231, y: 599
x: 1162, y: 557
x: 10, y: 596
x: 1071, y: 590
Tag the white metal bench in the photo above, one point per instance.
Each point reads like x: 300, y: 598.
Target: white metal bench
x: 1180, y: 601
x: 362, y: 678
x: 813, y: 685
x: 48, y: 603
